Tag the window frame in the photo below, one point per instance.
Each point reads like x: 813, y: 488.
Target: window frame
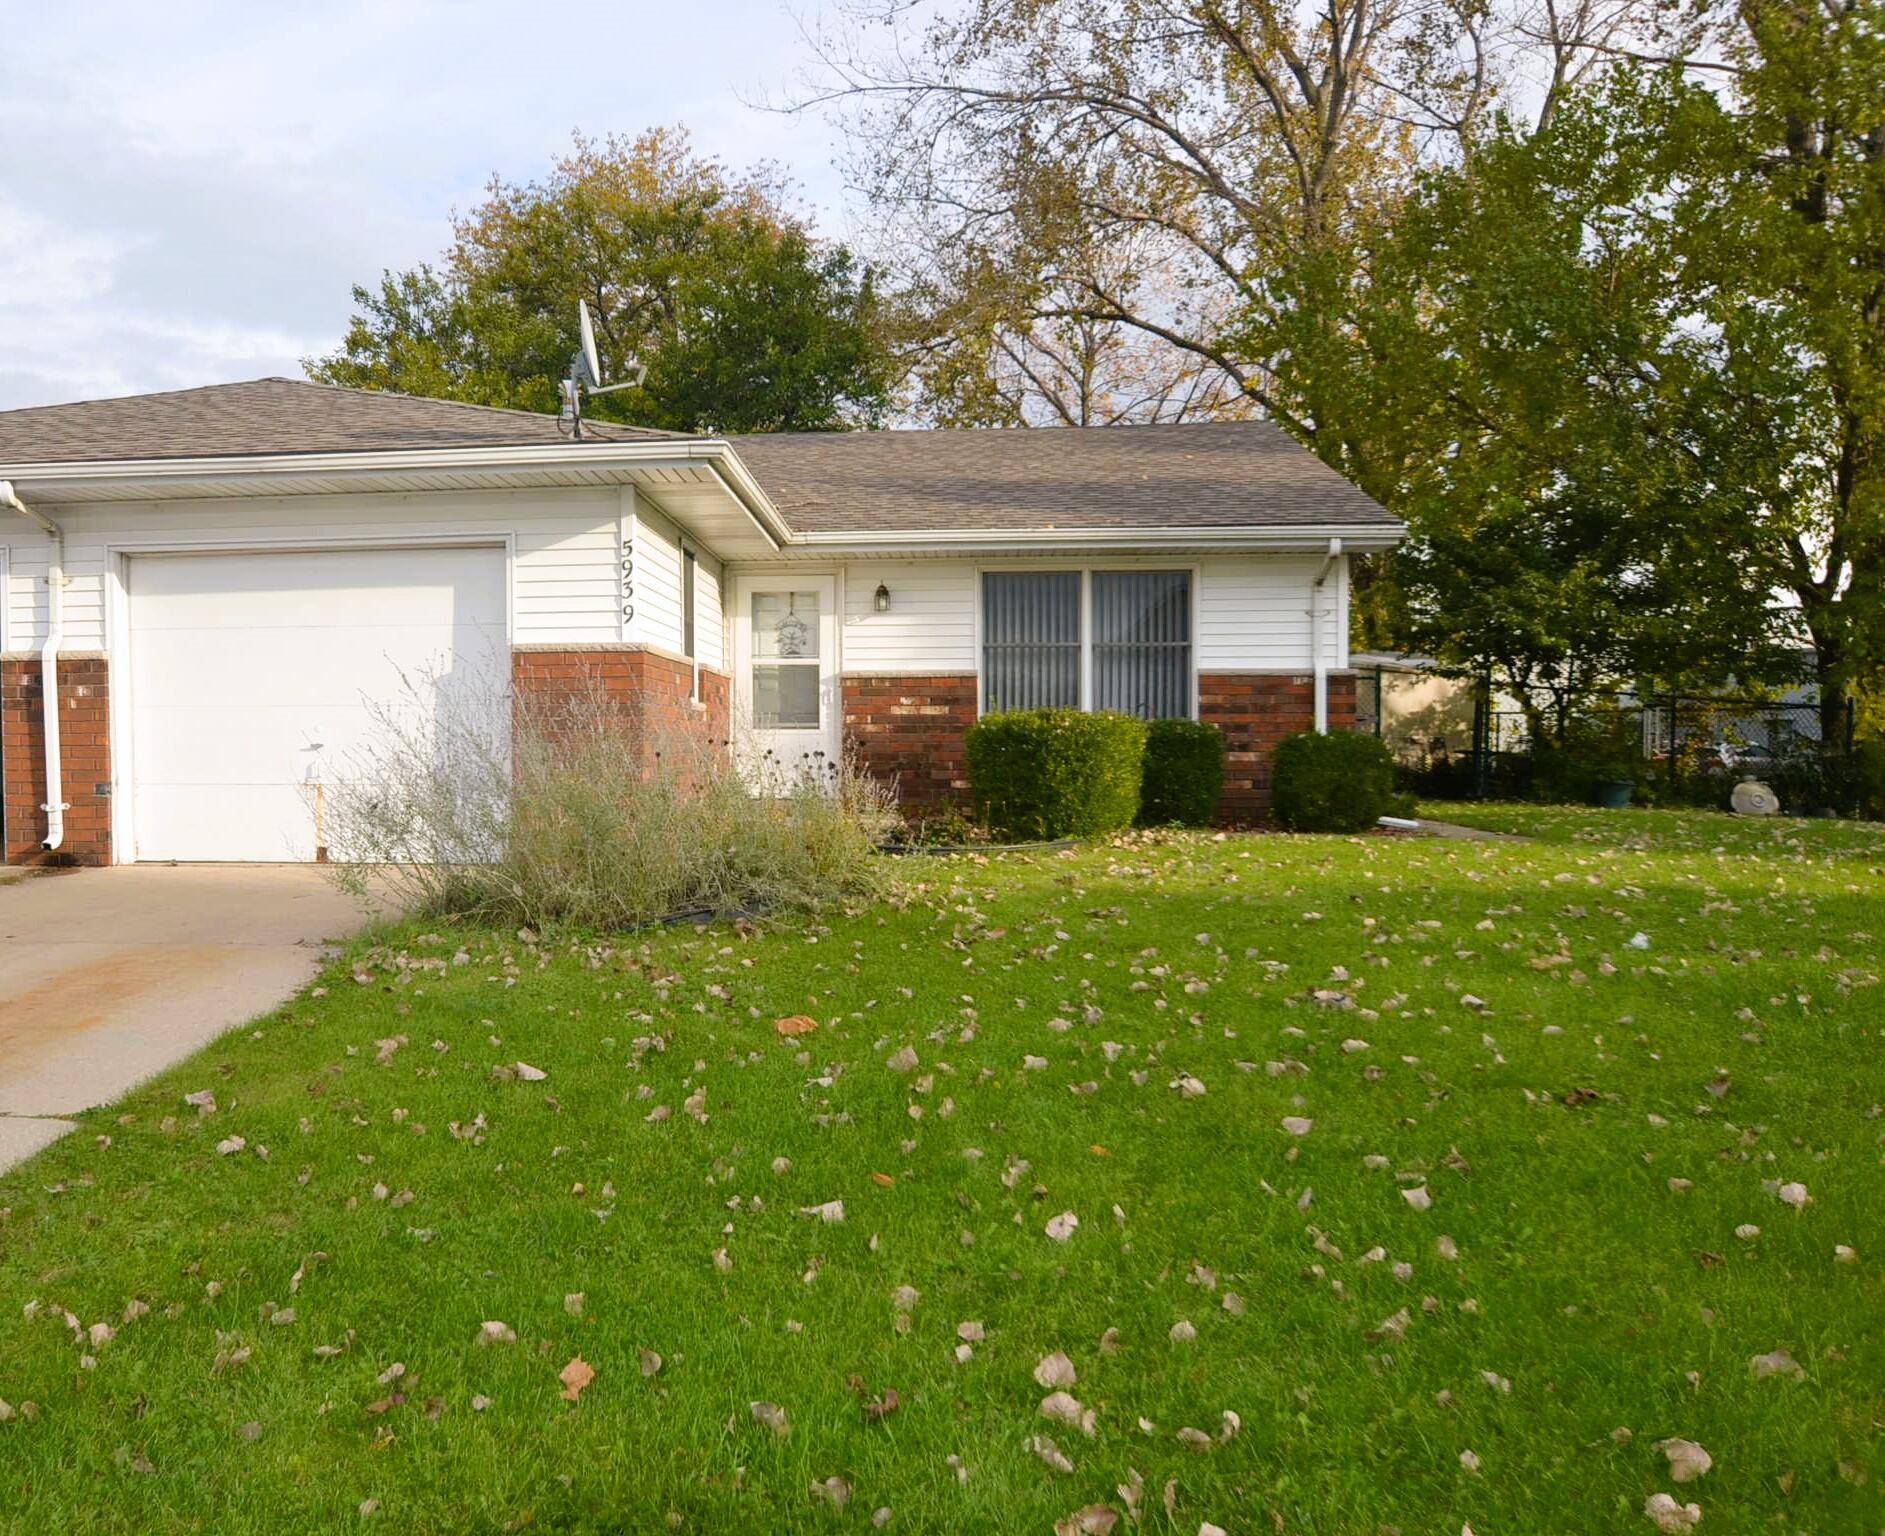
x: 1085, y: 569
x: 690, y: 598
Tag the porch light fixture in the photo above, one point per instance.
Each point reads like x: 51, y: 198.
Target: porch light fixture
x: 882, y: 600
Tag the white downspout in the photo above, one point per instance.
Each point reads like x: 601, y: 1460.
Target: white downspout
x: 55, y: 806
x: 1316, y: 662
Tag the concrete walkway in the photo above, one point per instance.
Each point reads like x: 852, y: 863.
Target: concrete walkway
x: 108, y: 976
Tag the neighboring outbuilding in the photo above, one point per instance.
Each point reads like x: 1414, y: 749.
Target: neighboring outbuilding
x: 234, y: 587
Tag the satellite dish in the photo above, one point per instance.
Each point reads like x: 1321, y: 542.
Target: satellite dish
x: 590, y: 360
x: 585, y: 374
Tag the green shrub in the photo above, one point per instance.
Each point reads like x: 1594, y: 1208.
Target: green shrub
x: 1339, y: 782
x: 1184, y: 774
x: 1056, y: 772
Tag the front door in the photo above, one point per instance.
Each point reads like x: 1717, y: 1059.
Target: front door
x: 785, y: 644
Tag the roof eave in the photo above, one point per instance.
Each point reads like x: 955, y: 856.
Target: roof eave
x: 1293, y: 538
x: 494, y: 467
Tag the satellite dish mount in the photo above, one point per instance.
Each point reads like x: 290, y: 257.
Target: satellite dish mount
x: 585, y: 374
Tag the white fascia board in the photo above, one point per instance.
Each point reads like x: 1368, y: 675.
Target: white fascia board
x: 160, y: 478
x: 1300, y: 539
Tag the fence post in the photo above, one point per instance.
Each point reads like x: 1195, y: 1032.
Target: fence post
x: 1482, y: 736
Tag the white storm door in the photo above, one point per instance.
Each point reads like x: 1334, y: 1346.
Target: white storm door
x: 262, y: 681
x: 785, y: 645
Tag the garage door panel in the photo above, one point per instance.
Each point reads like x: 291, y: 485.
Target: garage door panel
x: 343, y: 588
x: 261, y: 682
x: 180, y: 668
x: 257, y: 745
x: 241, y: 824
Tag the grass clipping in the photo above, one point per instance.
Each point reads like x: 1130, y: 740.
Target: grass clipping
x: 585, y: 813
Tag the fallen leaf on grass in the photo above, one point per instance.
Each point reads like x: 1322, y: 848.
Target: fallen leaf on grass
x: 1687, y: 1460
x: 575, y: 1376
x: 773, y: 1417
x: 1064, y: 1408
x: 834, y: 1491
x: 494, y: 1332
x: 1062, y: 1227
x: 794, y: 1025
x: 881, y: 1408
x: 1777, y: 1363
x: 1090, y: 1520
x: 1043, y: 1446
x: 1669, y: 1515
x: 1054, y: 1370
x: 650, y: 1363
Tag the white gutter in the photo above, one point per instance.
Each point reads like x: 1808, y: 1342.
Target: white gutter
x: 1265, y: 537
x: 1316, y: 662
x: 55, y: 806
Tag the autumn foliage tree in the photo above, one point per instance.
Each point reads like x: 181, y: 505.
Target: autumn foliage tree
x: 745, y: 320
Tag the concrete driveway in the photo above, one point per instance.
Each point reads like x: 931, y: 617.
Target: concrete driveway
x: 110, y: 975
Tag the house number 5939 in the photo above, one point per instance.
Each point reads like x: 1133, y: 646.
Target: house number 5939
x: 628, y: 581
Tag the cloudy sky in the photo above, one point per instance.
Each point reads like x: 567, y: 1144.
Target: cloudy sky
x: 189, y: 189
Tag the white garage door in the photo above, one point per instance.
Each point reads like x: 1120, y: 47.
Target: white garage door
x: 260, y: 681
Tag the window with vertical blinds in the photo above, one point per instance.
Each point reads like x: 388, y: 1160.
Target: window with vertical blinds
x: 1030, y: 640
x: 1142, y: 643
x: 1135, y: 655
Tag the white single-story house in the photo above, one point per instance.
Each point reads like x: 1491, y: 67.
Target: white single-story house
x: 204, y: 593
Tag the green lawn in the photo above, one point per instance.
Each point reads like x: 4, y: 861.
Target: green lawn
x: 1662, y: 831
x: 1592, y: 1121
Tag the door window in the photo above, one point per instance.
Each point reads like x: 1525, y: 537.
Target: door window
x: 785, y: 660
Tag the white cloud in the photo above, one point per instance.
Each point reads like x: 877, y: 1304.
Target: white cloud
x: 188, y: 191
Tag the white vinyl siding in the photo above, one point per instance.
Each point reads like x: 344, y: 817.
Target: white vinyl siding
x: 709, y: 617
x: 931, y: 624
x: 1252, y: 610
x: 564, y: 582
x: 1253, y: 613
x: 657, y: 578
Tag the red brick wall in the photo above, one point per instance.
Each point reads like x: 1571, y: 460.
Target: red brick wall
x: 1256, y: 710
x: 651, y: 688
x: 908, y: 731
x: 84, y: 757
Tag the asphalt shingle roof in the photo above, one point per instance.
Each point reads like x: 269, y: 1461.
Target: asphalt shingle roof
x: 271, y: 416
x: 1197, y: 475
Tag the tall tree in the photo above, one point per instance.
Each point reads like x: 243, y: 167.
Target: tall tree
x: 744, y: 320
x: 1136, y: 174
x: 1689, y: 281
x: 1784, y: 250
x: 1521, y: 377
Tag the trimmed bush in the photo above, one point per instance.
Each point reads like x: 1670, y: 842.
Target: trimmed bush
x: 1339, y: 782
x: 1184, y: 774
x: 1040, y: 773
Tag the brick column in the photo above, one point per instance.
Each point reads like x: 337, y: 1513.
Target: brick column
x: 908, y: 731
x: 84, y: 758
x: 651, y: 690
x: 1256, y: 710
